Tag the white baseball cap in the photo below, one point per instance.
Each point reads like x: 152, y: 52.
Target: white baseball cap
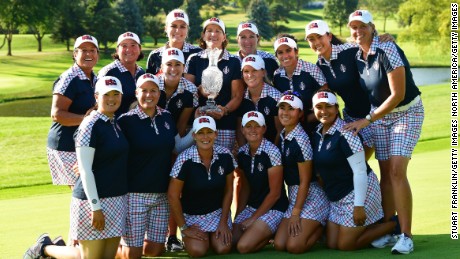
x: 324, y: 97
x: 247, y: 26
x: 360, y: 15
x: 292, y: 100
x: 285, y: 41
x: 254, y: 61
x: 106, y: 84
x: 147, y: 77
x: 128, y: 36
x: 204, y: 122
x: 214, y: 20
x: 85, y: 38
x: 253, y: 116
x: 172, y: 54
x: 316, y: 26
x: 177, y: 15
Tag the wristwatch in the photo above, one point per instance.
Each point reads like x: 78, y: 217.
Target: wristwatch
x: 183, y: 227
x: 369, y: 118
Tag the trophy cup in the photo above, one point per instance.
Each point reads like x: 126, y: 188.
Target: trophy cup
x: 211, y: 80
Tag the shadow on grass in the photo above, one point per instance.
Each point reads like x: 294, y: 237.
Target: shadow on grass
x: 426, y: 246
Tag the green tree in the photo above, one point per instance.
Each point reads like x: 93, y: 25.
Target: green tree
x: 425, y: 21
x: 195, y: 20
x: 337, y: 12
x: 259, y: 13
x: 131, y: 16
x: 67, y: 22
x: 279, y: 13
x: 11, y: 17
x: 154, y: 27
x: 383, y: 7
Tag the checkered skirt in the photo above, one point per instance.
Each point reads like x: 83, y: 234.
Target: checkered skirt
x: 342, y: 210
x: 316, y: 206
x: 147, y: 218
x: 225, y: 138
x: 207, y: 222
x: 61, y: 165
x: 397, y: 133
x: 272, y: 217
x: 114, y: 209
x: 366, y: 133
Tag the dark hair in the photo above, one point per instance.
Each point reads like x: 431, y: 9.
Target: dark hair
x: 116, y: 56
x: 334, y: 39
x: 295, y: 93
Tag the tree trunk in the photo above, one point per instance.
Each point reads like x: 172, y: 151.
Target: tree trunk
x: 9, y: 39
x: 67, y: 41
x: 39, y: 39
x: 384, y: 23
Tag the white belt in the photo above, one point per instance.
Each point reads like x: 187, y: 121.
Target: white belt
x: 407, y: 106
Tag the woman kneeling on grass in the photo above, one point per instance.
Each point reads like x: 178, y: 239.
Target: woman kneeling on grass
x: 350, y: 184
x: 263, y: 199
x: 200, y: 192
x: 98, y: 206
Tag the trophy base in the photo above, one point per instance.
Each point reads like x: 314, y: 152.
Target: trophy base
x: 210, y: 106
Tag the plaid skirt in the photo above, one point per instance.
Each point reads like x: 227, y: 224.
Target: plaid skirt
x: 366, y: 133
x: 272, y: 217
x: 342, y: 210
x: 207, y: 222
x: 114, y: 209
x: 61, y: 165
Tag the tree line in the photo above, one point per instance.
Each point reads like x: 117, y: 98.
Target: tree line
x: 105, y: 19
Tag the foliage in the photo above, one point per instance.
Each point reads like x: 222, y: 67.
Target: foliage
x: 68, y: 23
x: 279, y: 13
x: 131, y: 16
x: 195, y: 20
x: 154, y: 27
x: 337, y: 12
x: 259, y: 13
x: 383, y: 7
x: 422, y: 26
x: 11, y: 17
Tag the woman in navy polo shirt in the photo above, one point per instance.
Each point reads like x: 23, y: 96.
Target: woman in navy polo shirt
x: 263, y: 199
x: 125, y: 68
x: 231, y: 94
x: 350, y: 185
x: 98, y: 206
x: 396, y: 118
x: 248, y: 39
x: 178, y: 95
x: 259, y: 96
x: 176, y: 28
x: 297, y: 75
x: 73, y: 96
x: 200, y: 192
x: 308, y: 207
x: 152, y: 136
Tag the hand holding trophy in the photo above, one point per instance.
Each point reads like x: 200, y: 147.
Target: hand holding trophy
x: 211, y: 80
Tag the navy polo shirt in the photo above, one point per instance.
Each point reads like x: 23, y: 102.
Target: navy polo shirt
x: 153, y: 65
x: 110, y: 158
x: 203, y: 191
x: 330, y: 154
x: 295, y: 148
x: 185, y: 96
x: 128, y: 83
x: 343, y: 78
x: 271, y: 65
x: 231, y: 68
x: 256, y: 171
x: 266, y: 105
x: 76, y: 86
x: 382, y: 59
x: 151, y: 143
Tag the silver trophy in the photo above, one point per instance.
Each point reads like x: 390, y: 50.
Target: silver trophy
x: 211, y: 80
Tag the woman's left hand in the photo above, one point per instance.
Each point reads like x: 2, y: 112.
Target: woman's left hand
x: 247, y: 223
x: 216, y: 114
x: 294, y: 226
x: 359, y: 215
x: 223, y: 232
x: 356, y: 126
x: 98, y: 220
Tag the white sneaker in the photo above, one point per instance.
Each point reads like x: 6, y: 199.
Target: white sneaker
x: 384, y: 241
x: 403, y: 246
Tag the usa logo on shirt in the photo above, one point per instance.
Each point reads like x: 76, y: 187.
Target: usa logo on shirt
x: 376, y: 65
x: 260, y: 167
x: 179, y: 103
x: 343, y: 68
x: 226, y: 70
x: 221, y: 170
x: 328, y: 146
x: 287, y: 152
x: 302, y: 86
x: 167, y: 125
x: 267, y: 110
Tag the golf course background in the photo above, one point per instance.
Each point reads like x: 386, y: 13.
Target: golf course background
x: 30, y: 205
